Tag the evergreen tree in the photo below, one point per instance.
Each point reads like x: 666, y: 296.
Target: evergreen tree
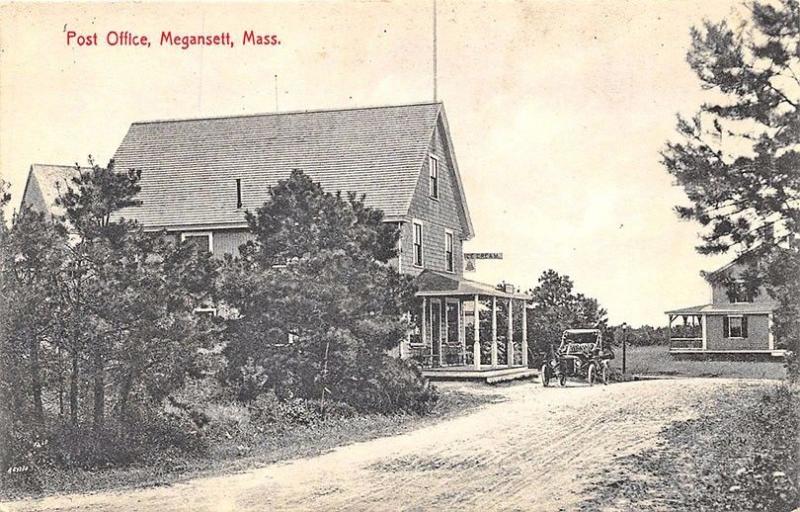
x: 738, y: 158
x: 320, y: 305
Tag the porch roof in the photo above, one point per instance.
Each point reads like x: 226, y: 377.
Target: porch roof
x: 752, y: 308
x: 436, y: 284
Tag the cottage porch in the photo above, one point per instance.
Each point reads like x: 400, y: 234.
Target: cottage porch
x: 722, y: 329
x: 449, y: 344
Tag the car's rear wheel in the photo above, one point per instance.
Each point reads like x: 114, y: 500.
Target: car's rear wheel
x: 562, y: 380
x: 544, y: 375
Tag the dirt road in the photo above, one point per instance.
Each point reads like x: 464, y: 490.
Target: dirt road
x: 535, y: 451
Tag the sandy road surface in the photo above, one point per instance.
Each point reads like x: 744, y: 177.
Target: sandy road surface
x: 534, y: 451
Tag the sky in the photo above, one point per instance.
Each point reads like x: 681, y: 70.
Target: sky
x: 557, y: 111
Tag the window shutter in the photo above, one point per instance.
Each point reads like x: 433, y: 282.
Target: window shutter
x: 726, y: 327
x: 744, y: 327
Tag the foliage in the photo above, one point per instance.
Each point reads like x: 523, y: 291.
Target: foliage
x: 738, y: 158
x: 557, y: 308
x: 318, y: 304
x: 782, y: 276
x: 642, y: 336
x: 91, y: 300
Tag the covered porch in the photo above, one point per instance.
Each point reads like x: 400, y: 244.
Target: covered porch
x: 469, y: 330
x: 687, y: 330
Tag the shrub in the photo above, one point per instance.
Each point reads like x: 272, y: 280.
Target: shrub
x: 392, y: 385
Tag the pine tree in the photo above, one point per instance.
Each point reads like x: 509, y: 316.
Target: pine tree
x: 738, y: 158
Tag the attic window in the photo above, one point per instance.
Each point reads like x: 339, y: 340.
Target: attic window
x: 433, y: 168
x: 238, y: 192
x: 739, y: 293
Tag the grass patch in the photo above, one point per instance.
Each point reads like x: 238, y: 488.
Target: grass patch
x: 235, y: 455
x: 656, y: 360
x: 739, y: 454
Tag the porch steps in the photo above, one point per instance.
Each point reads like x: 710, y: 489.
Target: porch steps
x: 488, y: 375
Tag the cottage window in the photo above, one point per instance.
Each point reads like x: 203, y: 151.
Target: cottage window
x: 448, y: 251
x: 433, y: 167
x: 735, y: 326
x: 204, y: 241
x: 738, y: 292
x: 418, y: 244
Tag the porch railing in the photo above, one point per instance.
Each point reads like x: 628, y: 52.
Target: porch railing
x: 452, y: 355
x: 686, y: 343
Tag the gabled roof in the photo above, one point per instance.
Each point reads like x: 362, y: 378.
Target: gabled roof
x: 731, y: 309
x: 190, y: 167
x: 44, y: 184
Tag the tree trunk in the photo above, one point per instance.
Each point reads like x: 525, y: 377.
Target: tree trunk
x: 124, y: 393
x: 99, y: 384
x: 73, y: 387
x: 36, y: 382
x: 324, y: 379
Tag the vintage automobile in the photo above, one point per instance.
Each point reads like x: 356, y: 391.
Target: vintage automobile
x: 580, y: 354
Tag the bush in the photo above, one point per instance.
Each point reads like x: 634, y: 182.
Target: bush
x: 392, y: 385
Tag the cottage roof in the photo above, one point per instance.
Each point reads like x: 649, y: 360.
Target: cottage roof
x: 45, y: 183
x: 190, y: 167
x: 726, y: 309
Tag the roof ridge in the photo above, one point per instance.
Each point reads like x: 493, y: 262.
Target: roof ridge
x: 57, y: 165
x: 288, y: 112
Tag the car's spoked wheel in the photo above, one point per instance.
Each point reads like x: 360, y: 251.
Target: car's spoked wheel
x: 591, y: 373
x: 562, y: 380
x: 544, y: 375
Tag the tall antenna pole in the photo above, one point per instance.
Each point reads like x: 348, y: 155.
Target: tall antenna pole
x: 435, y: 92
x: 276, y: 93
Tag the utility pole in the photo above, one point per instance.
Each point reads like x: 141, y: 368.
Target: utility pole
x: 435, y: 92
x: 276, y: 93
x: 624, y: 345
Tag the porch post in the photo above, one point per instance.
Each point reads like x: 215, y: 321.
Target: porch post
x: 704, y: 331
x: 462, y: 334
x: 510, y: 349
x: 494, y: 331
x: 423, y: 336
x: 669, y: 330
x: 525, y: 333
x: 476, y: 345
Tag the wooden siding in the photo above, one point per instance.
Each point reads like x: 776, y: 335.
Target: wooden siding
x: 228, y: 241
x: 437, y: 215
x: 757, y: 334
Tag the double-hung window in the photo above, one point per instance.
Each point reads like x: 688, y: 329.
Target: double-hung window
x: 449, y: 257
x: 735, y: 326
x: 433, y: 168
x: 418, y: 249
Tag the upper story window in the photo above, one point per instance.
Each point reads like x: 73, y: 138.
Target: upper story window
x: 738, y: 292
x: 449, y: 257
x: 418, y: 243
x: 433, y: 169
x: 203, y: 240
